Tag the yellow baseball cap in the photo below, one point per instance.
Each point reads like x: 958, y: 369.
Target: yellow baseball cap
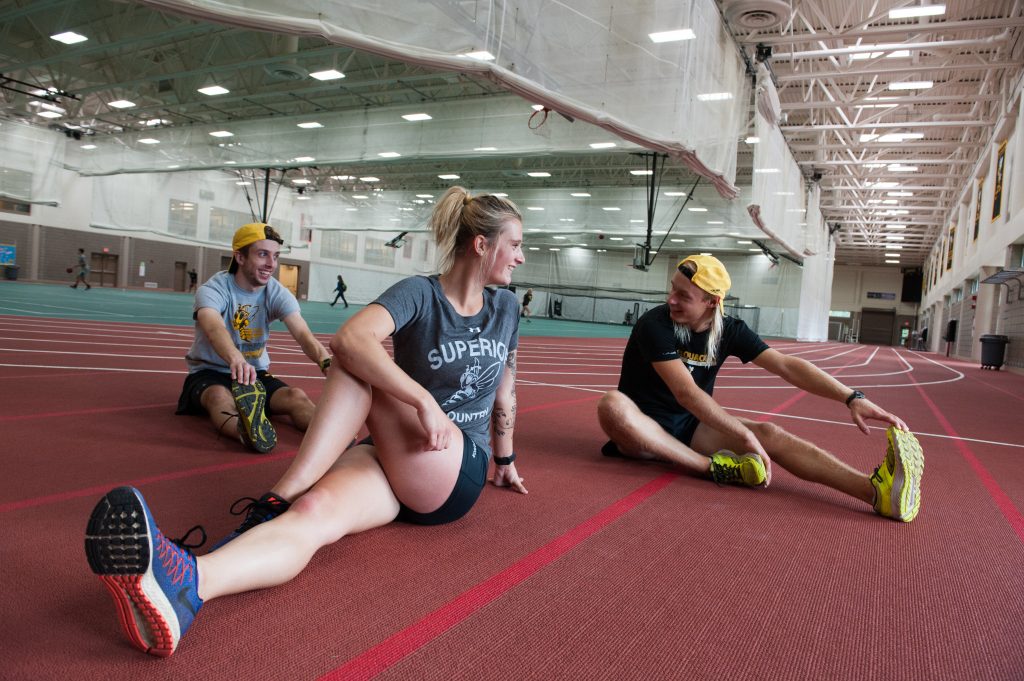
x: 253, y: 232
x: 709, y: 275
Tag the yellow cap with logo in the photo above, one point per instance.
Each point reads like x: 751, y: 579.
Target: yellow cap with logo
x: 709, y: 275
x: 251, y: 233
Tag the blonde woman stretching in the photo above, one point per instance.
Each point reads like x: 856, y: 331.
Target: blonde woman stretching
x: 433, y: 415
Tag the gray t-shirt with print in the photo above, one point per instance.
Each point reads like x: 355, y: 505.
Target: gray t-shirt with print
x: 459, y: 360
x: 247, y: 316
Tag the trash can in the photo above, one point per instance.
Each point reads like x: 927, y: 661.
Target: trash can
x: 993, y: 348
x: 11, y: 272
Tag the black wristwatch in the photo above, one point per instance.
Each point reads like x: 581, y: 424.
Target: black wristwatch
x: 504, y: 460
x: 855, y: 395
x: 324, y: 364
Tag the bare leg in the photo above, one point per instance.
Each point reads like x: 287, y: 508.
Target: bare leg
x: 296, y: 404
x: 639, y: 436
x: 341, y: 412
x: 800, y: 457
x: 220, y: 406
x: 352, y: 497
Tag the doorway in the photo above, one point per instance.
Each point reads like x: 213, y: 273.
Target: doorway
x: 877, y: 326
x: 289, y: 277
x: 180, y: 275
x: 103, y: 269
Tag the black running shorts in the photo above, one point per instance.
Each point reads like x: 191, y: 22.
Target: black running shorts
x: 468, y: 486
x: 196, y: 383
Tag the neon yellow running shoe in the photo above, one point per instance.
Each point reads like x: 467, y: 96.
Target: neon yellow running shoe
x: 897, y: 480
x: 255, y: 428
x: 732, y: 469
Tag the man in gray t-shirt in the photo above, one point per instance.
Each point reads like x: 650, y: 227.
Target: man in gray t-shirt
x: 228, y: 363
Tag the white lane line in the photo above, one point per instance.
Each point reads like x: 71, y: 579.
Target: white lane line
x: 137, y: 371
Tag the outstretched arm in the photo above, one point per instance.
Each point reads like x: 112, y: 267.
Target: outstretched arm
x: 212, y: 324
x: 503, y: 422
x: 311, y: 347
x: 802, y: 374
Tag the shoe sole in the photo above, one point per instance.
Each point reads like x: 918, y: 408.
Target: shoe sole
x: 251, y: 400
x: 906, y: 482
x: 119, y: 548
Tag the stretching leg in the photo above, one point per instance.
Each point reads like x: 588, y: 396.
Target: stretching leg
x: 638, y: 436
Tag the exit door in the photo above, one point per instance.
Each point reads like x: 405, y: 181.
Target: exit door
x: 103, y: 269
x: 180, y: 275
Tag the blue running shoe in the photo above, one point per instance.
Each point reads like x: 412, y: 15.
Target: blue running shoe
x: 257, y: 511
x: 153, y: 580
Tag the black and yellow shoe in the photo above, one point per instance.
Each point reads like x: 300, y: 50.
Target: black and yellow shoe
x: 897, y: 480
x: 255, y: 428
x: 743, y: 469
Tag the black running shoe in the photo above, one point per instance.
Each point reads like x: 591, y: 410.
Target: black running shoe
x: 257, y: 511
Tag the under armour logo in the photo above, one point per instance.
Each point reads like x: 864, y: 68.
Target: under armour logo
x: 474, y: 329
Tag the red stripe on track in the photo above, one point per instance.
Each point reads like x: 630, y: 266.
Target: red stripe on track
x: 106, y: 487
x: 82, y: 412
x: 1003, y: 502
x: 561, y: 403
x: 394, y: 649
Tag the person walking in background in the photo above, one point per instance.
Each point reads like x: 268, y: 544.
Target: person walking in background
x: 340, y: 287
x: 527, y: 299
x: 193, y: 277
x: 83, y: 270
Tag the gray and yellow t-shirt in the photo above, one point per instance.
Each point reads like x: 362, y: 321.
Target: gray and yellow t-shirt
x: 247, y: 316
x: 459, y: 360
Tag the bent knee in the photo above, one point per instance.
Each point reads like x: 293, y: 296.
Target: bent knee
x: 315, y: 506
x: 614, y: 409
x: 767, y: 433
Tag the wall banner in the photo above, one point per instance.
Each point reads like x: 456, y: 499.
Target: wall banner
x: 997, y: 195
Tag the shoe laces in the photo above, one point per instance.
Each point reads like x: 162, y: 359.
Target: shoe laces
x: 258, y: 511
x: 176, y: 555
x: 726, y: 472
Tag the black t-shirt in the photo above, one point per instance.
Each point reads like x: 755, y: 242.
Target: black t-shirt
x: 653, y: 340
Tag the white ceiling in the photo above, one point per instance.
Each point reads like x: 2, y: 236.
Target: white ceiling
x: 830, y: 97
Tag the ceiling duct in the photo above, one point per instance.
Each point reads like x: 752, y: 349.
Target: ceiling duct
x: 288, y: 69
x: 754, y: 15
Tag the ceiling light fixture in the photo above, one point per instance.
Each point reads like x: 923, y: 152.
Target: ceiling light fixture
x: 539, y: 173
x: 418, y: 117
x: 310, y: 125
x: 121, y: 104
x: 672, y: 36
x: 213, y: 90
x: 912, y: 85
x: 602, y: 145
x: 922, y: 11
x: 329, y: 74
x: 69, y: 37
x: 714, y: 96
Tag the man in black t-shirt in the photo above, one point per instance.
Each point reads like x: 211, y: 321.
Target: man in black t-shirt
x: 663, y: 408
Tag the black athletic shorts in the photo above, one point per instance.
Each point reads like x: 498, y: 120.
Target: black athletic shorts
x: 468, y: 487
x: 680, y: 425
x: 189, y: 402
